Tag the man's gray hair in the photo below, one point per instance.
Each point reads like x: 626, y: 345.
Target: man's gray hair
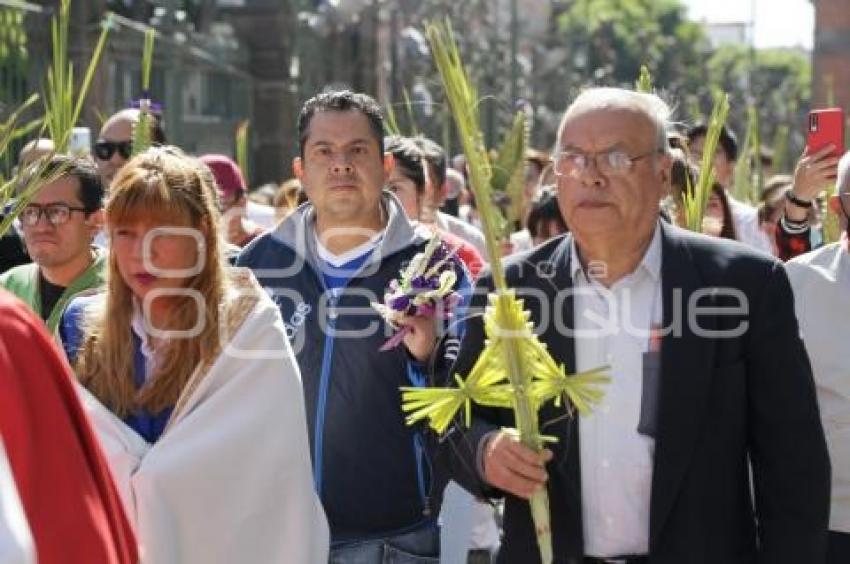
x: 842, y: 183
x: 654, y: 108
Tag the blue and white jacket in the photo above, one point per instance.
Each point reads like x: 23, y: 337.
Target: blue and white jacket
x: 375, y: 475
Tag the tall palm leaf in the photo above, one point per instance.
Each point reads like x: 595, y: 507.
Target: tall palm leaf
x: 62, y: 108
x: 514, y: 370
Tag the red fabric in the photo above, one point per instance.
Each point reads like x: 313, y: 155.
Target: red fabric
x: 71, y: 503
x: 467, y: 253
x: 790, y: 245
x: 227, y: 174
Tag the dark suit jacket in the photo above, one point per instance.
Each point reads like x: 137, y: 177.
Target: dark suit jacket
x: 726, y: 405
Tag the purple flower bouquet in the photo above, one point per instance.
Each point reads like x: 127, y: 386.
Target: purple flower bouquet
x: 425, y: 288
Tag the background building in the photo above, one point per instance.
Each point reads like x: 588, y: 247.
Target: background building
x: 831, y: 72
x: 200, y: 71
x: 218, y: 62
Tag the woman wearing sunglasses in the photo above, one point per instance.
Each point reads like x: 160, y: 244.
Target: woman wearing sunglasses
x: 191, y: 382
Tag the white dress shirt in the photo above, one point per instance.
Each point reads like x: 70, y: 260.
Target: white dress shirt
x: 821, y: 283
x: 613, y: 328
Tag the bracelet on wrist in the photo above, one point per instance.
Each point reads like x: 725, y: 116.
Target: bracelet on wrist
x: 794, y: 227
x: 796, y: 222
x: 789, y: 195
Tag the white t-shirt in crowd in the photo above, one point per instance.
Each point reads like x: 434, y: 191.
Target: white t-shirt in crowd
x: 746, y: 220
x: 261, y: 215
x: 464, y: 230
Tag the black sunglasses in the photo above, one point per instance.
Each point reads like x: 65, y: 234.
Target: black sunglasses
x: 105, y: 149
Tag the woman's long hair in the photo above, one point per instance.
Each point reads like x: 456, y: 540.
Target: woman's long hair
x: 165, y: 187
x: 728, y: 230
x: 683, y: 179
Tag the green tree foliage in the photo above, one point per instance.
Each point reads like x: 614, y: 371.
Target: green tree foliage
x: 13, y: 56
x: 14, y: 60
x: 611, y: 39
x: 777, y: 82
x: 605, y: 42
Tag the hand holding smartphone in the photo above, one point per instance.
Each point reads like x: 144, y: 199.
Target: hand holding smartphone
x: 824, y: 148
x: 826, y: 127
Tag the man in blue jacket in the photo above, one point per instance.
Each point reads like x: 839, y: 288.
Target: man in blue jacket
x: 324, y: 265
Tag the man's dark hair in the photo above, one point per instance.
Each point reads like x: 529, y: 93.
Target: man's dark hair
x: 728, y: 229
x: 157, y: 129
x: 341, y: 101
x: 436, y: 157
x: 90, y: 189
x: 408, y: 159
x: 727, y: 141
x: 544, y: 210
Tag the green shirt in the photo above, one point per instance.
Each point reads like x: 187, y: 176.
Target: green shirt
x: 23, y: 281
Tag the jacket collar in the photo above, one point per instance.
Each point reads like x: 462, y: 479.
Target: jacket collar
x: 297, y: 232
x: 92, y: 278
x: 650, y: 262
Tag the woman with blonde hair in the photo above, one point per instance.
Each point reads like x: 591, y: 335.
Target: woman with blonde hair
x: 191, y: 382
x: 288, y: 197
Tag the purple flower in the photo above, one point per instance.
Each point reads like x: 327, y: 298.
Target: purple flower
x: 422, y: 283
x: 400, y: 303
x: 402, y: 291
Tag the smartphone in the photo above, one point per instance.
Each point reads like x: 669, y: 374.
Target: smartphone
x: 826, y: 127
x: 79, y: 144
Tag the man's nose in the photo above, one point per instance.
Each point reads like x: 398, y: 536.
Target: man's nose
x: 590, y: 174
x: 342, y: 164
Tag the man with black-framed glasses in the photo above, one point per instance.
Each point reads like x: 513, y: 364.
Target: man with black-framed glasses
x: 114, y: 144
x: 58, y: 226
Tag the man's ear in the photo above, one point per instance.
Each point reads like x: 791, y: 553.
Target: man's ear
x: 663, y: 167
x: 389, y: 163
x: 298, y: 168
x: 94, y: 221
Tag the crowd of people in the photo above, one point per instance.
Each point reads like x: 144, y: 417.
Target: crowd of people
x: 195, y: 372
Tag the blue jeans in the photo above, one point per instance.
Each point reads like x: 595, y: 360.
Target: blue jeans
x: 421, y: 546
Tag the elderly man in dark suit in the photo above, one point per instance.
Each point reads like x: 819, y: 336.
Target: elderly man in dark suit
x: 707, y: 448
